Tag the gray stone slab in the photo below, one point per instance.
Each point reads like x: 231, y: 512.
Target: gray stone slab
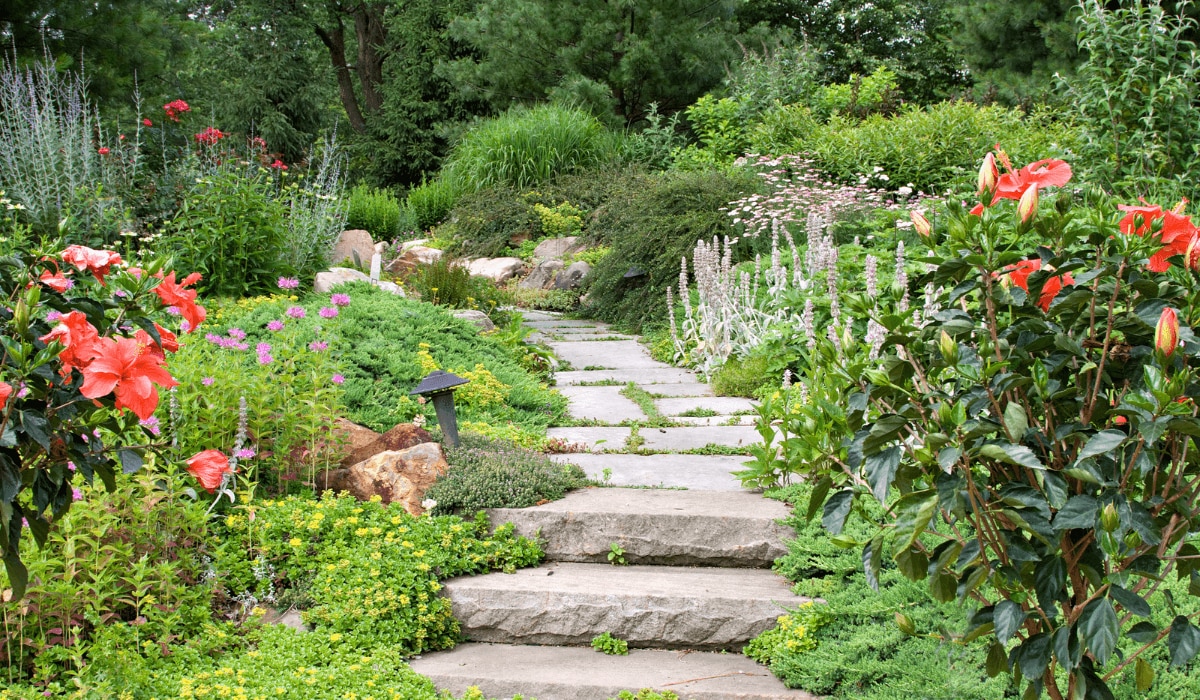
x: 687, y: 389
x: 528, y: 315
x: 589, y: 337
x: 609, y: 354
x: 648, y: 606
x: 694, y: 438
x: 714, y: 420
x: 579, y: 673
x: 603, y: 403
x: 723, y: 405
x: 658, y: 375
x: 666, y: 527
x: 594, y: 439
x: 705, y: 472
x: 563, y: 323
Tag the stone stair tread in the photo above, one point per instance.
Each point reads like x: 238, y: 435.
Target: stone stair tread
x: 578, y: 673
x: 652, y: 526
x: 648, y: 606
x: 706, y: 472
x: 645, y: 376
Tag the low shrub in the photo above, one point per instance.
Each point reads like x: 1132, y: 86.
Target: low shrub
x: 446, y: 284
x: 651, y: 226
x: 430, y: 203
x: 487, y: 222
x: 545, y: 299
x: 526, y: 147
x: 375, y: 211
x: 742, y: 376
x: 487, y: 473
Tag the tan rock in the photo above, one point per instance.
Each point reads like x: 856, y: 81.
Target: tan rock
x: 354, y: 437
x: 396, y: 476
x: 556, y: 248
x: 401, y: 437
x: 412, y: 258
x: 498, y: 270
x: 351, y: 243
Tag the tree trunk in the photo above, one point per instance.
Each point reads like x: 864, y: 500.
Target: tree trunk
x: 372, y: 37
x: 335, y: 41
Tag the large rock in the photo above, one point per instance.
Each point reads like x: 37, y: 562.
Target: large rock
x: 351, y: 243
x: 401, y: 437
x: 498, y: 270
x: 354, y: 437
x: 556, y: 248
x: 542, y: 275
x: 413, y: 257
x: 571, y: 277
x: 334, y: 276
x: 479, y: 318
x: 395, y: 476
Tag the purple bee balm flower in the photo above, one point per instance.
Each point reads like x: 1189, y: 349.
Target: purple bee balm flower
x: 317, y: 345
x: 70, y: 466
x: 240, y: 346
x: 53, y: 316
x: 275, y: 325
x: 340, y: 299
x: 151, y: 424
x: 245, y: 454
x: 173, y: 310
x: 297, y: 312
x: 328, y: 311
x: 213, y: 338
x: 337, y: 379
x: 262, y: 348
x: 76, y: 495
x: 207, y: 381
x: 288, y: 283
x: 265, y: 359
x: 237, y: 333
x: 184, y: 326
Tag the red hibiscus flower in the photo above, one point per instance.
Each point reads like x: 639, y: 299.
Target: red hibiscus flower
x: 1177, y: 231
x: 56, y: 281
x: 79, y: 340
x: 1019, y: 275
x: 1044, y: 173
x: 96, y: 262
x: 169, y: 342
x: 122, y: 367
x: 6, y: 391
x: 279, y: 165
x: 176, y: 294
x: 209, y: 467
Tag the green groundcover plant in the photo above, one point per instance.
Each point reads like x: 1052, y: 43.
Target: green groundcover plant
x: 1031, y: 441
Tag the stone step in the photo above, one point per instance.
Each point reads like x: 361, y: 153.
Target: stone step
x: 575, y: 673
x: 685, y: 389
x: 723, y: 405
x: 646, y: 376
x: 647, y: 606
x: 706, y: 472
x: 695, y: 438
x: 552, y: 323
x: 608, y: 354
x: 592, y: 439
x: 602, y: 403
x: 667, y: 527
x: 714, y: 420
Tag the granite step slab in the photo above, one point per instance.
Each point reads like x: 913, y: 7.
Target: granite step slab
x: 668, y: 607
x: 563, y: 323
x: 714, y: 420
x: 695, y: 438
x: 705, y: 472
x: 641, y: 376
x: 592, y: 439
x: 602, y: 403
x: 661, y: 527
x: 723, y: 405
x: 579, y: 673
x: 685, y: 389
x: 609, y: 354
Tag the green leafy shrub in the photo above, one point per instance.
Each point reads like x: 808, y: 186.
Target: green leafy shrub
x: 526, y: 147
x: 375, y: 211
x: 742, y: 376
x: 386, y: 344
x: 488, y: 473
x: 650, y: 226
x: 545, y: 299
x: 860, y: 96
x: 430, y: 203
x: 230, y: 229
x: 608, y: 644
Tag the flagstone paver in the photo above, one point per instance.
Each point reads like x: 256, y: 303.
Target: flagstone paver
x: 646, y: 377
x: 724, y: 405
x: 602, y: 403
x: 592, y: 438
x: 707, y: 472
x: 609, y: 354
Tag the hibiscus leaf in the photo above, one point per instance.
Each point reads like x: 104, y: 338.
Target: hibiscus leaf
x: 1102, y: 442
x: 131, y: 461
x: 881, y: 470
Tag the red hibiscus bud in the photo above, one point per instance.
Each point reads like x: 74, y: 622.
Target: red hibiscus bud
x: 989, y: 174
x: 1166, y: 333
x: 209, y: 468
x: 1028, y: 204
x: 977, y: 210
x: 6, y: 391
x: 921, y: 224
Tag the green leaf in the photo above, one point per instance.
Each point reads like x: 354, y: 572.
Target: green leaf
x: 817, y: 498
x: 1015, y: 420
x: 912, y: 563
x: 131, y: 461
x: 1098, y: 629
x: 1129, y: 600
x: 1011, y: 454
x: 1183, y: 641
x: 883, y: 431
x: 872, y: 558
x: 18, y: 575
x: 1080, y: 512
x: 913, y: 513
x: 1143, y: 675
x: 1142, y: 632
x: 1008, y: 617
x: 1102, y: 442
x: 943, y: 587
x: 997, y: 660
x: 1033, y: 656
x: 836, y: 510
x: 881, y: 471
x: 948, y: 457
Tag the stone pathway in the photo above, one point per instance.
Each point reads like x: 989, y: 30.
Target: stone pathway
x: 697, y: 585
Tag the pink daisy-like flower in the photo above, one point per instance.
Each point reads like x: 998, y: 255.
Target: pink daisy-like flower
x: 70, y: 466
x: 262, y: 348
x: 288, y: 283
x: 275, y: 325
x: 297, y: 312
x: 337, y: 379
x: 207, y: 381
x: 318, y: 345
x: 173, y: 310
x: 53, y: 316
x: 340, y: 299
x: 328, y: 311
x: 151, y: 424
x: 265, y: 359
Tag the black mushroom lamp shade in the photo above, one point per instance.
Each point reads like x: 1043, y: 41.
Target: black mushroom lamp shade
x: 439, y: 386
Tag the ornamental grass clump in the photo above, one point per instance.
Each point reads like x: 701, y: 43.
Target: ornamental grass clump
x: 1032, y: 442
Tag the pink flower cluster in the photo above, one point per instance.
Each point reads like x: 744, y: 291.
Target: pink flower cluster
x: 231, y: 342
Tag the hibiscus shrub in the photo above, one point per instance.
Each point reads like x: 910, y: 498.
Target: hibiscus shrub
x: 79, y: 347
x: 1032, y: 441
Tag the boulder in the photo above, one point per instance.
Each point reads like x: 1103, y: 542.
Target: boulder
x: 408, y: 261
x: 334, y: 276
x: 351, y: 243
x: 571, y: 277
x: 498, y: 270
x: 556, y: 248
x: 542, y: 275
x: 354, y: 437
x: 401, y: 476
x: 479, y: 318
x: 413, y: 243
x: 401, y: 437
